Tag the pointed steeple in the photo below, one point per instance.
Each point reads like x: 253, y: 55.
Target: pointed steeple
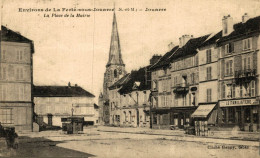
x: 115, y: 57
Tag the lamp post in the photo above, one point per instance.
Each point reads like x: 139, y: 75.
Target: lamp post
x: 72, y: 111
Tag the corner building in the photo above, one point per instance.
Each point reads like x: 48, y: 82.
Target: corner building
x: 239, y: 73
x: 16, y: 78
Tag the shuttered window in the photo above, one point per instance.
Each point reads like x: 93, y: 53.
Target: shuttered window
x: 209, y: 95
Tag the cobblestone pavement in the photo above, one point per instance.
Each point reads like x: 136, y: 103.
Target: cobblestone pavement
x: 95, y: 142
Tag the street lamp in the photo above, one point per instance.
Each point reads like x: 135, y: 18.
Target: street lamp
x: 72, y: 111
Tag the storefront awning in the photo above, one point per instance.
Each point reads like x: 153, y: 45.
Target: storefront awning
x: 203, y: 110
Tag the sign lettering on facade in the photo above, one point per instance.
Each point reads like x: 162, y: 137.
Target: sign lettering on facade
x: 238, y: 102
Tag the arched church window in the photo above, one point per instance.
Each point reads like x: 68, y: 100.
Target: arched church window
x: 115, y: 73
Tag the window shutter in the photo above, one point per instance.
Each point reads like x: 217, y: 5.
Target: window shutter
x: 222, y: 68
x: 255, y: 60
x: 250, y: 44
x: 231, y: 47
x: 210, y: 77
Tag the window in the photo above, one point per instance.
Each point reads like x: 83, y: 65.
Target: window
x: 145, y: 97
x: 125, y: 116
x: 208, y: 73
x: 229, y: 68
x: 130, y: 115
x: 233, y: 91
x: 208, y: 54
x: 209, y: 95
x: 229, y: 48
x: 223, y: 91
x: 184, y: 101
x: 192, y: 78
x: 19, y: 73
x: 165, y: 100
x: 241, y: 90
x: 6, y: 116
x: 244, y: 64
x: 175, y: 81
x: 247, y: 44
x: 115, y: 73
x: 19, y: 55
x: 251, y: 89
x: 196, y: 60
x: 248, y: 63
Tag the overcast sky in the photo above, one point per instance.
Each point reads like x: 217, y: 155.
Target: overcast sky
x: 76, y: 49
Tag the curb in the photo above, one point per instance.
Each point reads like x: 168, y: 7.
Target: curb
x: 192, y: 136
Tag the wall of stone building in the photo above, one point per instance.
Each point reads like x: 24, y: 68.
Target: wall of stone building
x: 62, y: 107
x: 179, y: 75
x: 203, y: 55
x: 15, y: 85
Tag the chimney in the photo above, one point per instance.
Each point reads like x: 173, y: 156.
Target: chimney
x: 245, y: 17
x: 69, y: 84
x: 227, y: 25
x: 170, y: 46
x: 184, y: 39
x: 154, y: 59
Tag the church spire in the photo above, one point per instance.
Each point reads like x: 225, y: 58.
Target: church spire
x: 115, y: 57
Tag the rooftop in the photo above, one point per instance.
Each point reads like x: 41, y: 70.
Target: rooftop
x: 60, y: 91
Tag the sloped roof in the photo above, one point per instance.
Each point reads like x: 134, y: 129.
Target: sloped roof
x: 120, y: 82
x: 189, y: 48
x: 164, y: 59
x: 142, y: 75
x: 60, y: 91
x: 211, y: 39
x: 241, y: 29
x: 12, y: 36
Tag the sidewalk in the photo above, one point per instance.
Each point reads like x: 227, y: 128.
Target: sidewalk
x: 236, y: 137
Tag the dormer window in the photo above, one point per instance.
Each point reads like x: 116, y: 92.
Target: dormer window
x: 229, y: 48
x: 247, y: 44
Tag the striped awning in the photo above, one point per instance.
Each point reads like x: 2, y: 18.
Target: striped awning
x: 203, y: 110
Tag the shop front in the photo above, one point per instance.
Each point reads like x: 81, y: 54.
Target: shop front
x: 204, y: 116
x: 241, y: 114
x: 181, y: 116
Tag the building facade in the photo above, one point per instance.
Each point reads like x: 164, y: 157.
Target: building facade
x: 239, y: 73
x: 129, y: 100
x: 52, y: 103
x: 115, y: 69
x: 16, y: 78
x: 175, y: 82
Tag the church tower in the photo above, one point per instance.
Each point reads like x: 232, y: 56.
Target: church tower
x: 115, y: 68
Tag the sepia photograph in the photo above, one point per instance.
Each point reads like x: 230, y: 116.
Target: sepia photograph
x: 130, y: 78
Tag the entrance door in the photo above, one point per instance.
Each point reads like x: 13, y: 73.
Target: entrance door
x: 137, y: 117
x: 50, y: 119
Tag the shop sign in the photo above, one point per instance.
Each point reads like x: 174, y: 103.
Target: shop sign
x: 239, y: 102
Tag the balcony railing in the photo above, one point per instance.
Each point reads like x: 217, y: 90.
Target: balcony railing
x: 245, y: 73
